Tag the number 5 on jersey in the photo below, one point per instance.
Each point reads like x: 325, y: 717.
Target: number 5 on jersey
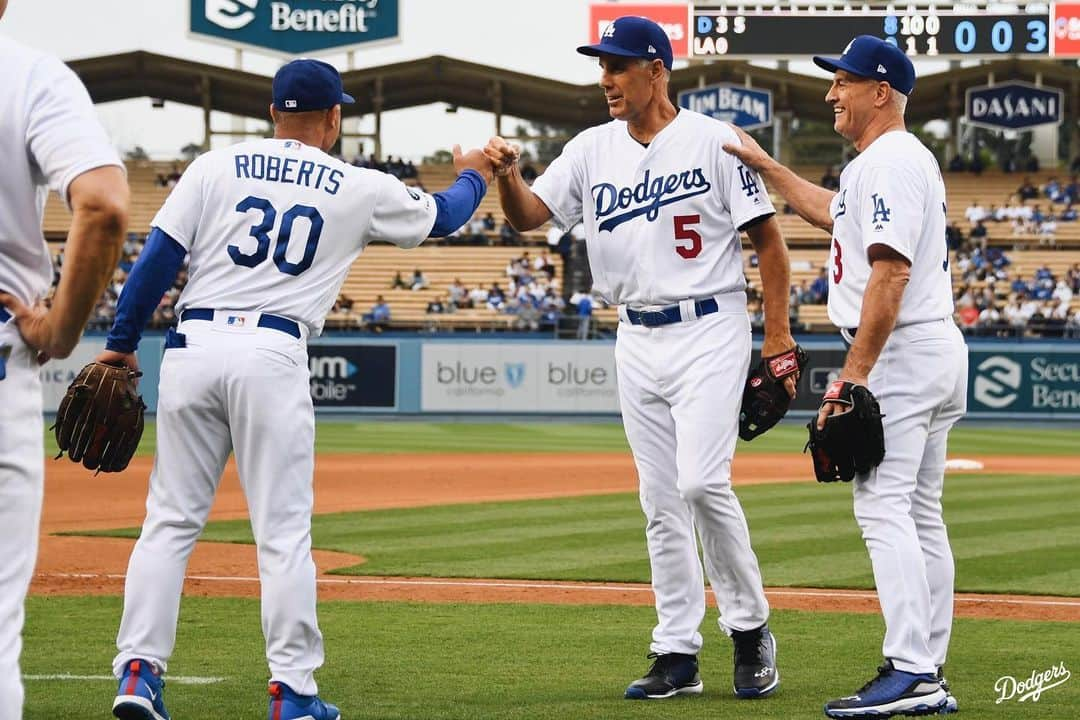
x: 683, y: 231
x: 260, y: 231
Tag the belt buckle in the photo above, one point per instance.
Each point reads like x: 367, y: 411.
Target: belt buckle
x: 653, y: 318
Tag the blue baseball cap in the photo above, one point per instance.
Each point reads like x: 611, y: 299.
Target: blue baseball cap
x: 632, y: 36
x: 305, y: 84
x: 871, y: 57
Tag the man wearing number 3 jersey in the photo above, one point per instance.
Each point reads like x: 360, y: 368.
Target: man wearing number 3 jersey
x: 663, y: 207
x: 271, y: 227
x: 890, y: 293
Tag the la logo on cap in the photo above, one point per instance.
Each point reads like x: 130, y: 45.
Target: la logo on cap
x: 609, y: 31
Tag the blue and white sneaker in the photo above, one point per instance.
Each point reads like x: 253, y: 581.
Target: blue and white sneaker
x: 287, y: 705
x: 892, y: 692
x: 671, y: 674
x: 139, y: 695
x: 951, y: 706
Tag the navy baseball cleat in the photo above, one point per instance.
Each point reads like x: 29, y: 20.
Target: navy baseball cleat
x: 756, y: 674
x: 951, y: 705
x: 671, y: 674
x: 139, y: 695
x: 892, y: 692
x: 287, y: 705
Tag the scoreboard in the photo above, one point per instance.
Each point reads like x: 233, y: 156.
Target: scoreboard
x: 920, y: 32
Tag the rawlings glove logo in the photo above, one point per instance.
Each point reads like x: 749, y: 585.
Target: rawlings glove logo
x: 649, y: 196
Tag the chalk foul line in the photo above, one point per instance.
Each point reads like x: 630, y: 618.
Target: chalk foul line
x: 585, y: 587
x: 177, y: 679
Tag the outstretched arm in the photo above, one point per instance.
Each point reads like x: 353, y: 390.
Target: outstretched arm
x: 521, y: 206
x: 455, y: 205
x: 810, y: 201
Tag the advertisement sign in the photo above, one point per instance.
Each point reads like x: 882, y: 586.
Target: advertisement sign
x: 519, y: 377
x: 1066, y: 35
x: 294, y: 27
x: 675, y: 19
x: 1014, y: 106
x: 1043, y: 383
x: 353, y: 375
x: 56, y: 374
x: 748, y: 108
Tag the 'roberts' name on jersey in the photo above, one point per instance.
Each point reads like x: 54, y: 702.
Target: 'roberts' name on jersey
x: 272, y: 168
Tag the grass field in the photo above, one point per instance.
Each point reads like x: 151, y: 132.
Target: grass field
x: 424, y: 437
x: 398, y: 661
x: 1010, y: 534
x: 541, y: 662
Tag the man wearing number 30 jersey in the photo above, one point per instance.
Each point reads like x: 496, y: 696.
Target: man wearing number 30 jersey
x: 663, y: 208
x: 271, y: 228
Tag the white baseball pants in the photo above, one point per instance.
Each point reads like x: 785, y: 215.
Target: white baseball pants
x: 22, y: 474
x: 920, y: 381
x: 680, y: 387
x: 241, y: 389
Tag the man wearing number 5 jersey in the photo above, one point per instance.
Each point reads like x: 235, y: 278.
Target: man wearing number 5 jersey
x: 663, y: 207
x: 271, y: 228
x: 890, y: 294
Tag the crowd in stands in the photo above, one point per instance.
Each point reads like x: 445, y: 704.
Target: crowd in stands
x: 992, y: 299
x: 1024, y: 214
x: 401, y: 169
x: 101, y: 318
x: 169, y: 179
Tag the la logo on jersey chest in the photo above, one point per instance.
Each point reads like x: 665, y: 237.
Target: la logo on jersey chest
x: 615, y: 204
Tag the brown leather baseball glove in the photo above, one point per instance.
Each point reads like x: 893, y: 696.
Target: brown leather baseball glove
x: 100, y: 419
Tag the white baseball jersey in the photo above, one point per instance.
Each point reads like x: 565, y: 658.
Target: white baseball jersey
x: 661, y: 221
x: 892, y: 194
x: 274, y: 225
x: 49, y: 135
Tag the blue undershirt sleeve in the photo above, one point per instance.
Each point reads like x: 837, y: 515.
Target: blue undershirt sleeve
x: 456, y: 204
x: 153, y: 274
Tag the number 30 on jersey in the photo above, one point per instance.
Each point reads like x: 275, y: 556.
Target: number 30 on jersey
x: 260, y: 231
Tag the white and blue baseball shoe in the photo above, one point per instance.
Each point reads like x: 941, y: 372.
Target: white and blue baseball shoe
x: 287, y: 705
x: 950, y: 705
x: 139, y: 695
x: 892, y: 692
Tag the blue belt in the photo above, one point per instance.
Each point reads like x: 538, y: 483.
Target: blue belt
x: 274, y: 322
x: 4, y: 314
x: 670, y: 314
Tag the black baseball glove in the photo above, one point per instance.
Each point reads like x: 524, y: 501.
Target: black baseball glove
x: 100, y: 419
x: 853, y: 441
x: 764, y: 400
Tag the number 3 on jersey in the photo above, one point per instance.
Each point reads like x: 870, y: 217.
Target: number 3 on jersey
x: 260, y: 231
